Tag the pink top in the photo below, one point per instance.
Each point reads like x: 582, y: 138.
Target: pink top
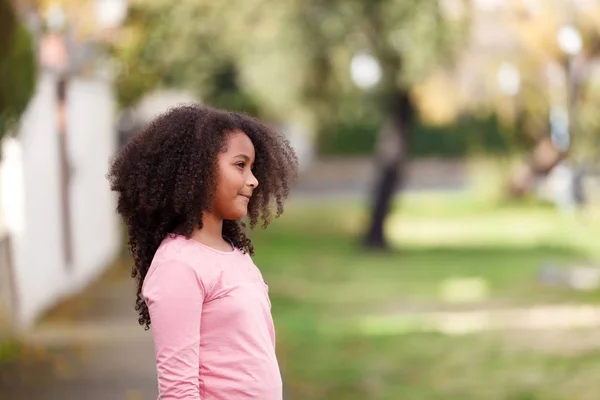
x: 212, y: 325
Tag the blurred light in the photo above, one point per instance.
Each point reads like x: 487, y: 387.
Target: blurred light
x: 509, y: 79
x: 365, y: 70
x: 569, y: 40
x: 453, y: 9
x: 582, y: 5
x: 110, y: 13
x: 533, y: 6
x: 487, y: 5
x: 55, y: 18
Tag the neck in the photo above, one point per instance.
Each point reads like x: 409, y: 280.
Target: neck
x: 211, y: 232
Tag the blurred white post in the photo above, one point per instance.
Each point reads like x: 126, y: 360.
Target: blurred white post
x: 55, y: 60
x: 570, y: 42
x: 562, y: 178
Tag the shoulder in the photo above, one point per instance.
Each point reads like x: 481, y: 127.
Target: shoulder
x: 247, y: 258
x: 188, y: 251
x: 178, y: 261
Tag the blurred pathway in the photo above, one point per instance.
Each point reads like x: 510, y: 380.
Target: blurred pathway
x: 533, y: 318
x: 89, y: 347
x: 354, y: 177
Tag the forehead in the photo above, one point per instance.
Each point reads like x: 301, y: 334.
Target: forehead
x: 239, y: 143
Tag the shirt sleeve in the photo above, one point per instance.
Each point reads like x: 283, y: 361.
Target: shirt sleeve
x: 174, y: 295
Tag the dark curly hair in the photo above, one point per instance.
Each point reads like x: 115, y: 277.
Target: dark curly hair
x: 165, y: 177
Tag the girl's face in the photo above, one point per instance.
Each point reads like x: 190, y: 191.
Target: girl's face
x: 235, y: 180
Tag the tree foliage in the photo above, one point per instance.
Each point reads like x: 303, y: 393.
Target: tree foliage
x: 17, y: 66
x: 289, y: 59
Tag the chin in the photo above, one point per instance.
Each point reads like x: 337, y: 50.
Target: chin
x: 235, y: 215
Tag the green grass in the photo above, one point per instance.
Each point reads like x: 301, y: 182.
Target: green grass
x: 322, y: 284
x: 8, y: 350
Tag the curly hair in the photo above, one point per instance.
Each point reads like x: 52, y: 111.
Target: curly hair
x: 166, y: 178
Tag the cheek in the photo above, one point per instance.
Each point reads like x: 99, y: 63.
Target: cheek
x: 222, y: 185
x: 230, y: 182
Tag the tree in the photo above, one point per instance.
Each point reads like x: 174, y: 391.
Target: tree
x: 179, y: 45
x: 410, y: 40
x: 17, y: 67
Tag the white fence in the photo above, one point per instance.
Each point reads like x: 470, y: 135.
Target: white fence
x: 32, y: 201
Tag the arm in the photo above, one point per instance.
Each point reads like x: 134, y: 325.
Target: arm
x: 174, y: 295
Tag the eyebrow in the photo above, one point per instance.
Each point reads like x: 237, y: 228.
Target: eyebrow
x: 244, y: 156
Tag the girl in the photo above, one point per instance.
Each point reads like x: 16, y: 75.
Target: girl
x: 183, y: 185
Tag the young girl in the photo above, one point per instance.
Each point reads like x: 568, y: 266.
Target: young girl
x: 184, y: 184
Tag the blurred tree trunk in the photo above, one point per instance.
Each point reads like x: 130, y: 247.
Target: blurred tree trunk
x: 392, y: 159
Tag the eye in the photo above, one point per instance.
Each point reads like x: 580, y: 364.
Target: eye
x: 241, y: 164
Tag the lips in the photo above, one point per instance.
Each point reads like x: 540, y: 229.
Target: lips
x: 246, y: 196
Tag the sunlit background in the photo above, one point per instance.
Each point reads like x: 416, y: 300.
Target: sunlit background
x: 441, y: 242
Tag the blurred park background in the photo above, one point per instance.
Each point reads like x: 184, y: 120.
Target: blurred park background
x: 441, y: 242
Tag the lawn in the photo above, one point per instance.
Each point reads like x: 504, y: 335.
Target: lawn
x: 331, y: 301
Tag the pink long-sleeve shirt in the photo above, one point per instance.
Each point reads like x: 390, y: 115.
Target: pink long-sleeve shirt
x: 211, y: 322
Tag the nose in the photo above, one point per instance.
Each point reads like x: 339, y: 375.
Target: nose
x: 252, y: 181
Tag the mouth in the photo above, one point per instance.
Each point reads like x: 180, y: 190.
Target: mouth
x: 247, y: 196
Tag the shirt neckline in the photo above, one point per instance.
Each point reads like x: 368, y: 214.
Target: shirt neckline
x: 204, y: 246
